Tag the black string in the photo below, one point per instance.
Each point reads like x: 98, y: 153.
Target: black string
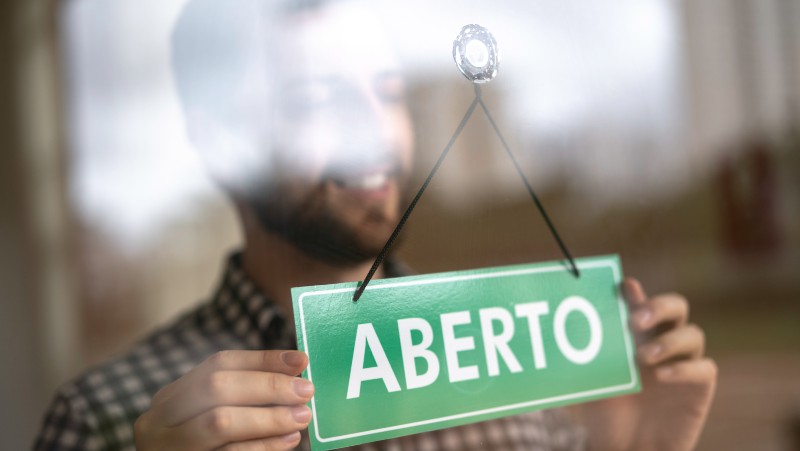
x: 574, y: 270
x: 413, y: 204
x: 387, y: 247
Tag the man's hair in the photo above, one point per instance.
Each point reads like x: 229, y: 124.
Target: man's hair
x: 213, y: 44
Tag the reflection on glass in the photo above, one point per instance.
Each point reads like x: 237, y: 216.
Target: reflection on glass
x: 625, y: 115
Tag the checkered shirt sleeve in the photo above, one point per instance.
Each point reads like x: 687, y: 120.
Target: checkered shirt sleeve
x: 97, y: 411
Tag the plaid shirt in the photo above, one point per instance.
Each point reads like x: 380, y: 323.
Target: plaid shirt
x: 97, y: 411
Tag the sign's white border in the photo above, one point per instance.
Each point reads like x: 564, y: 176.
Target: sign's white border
x: 606, y: 263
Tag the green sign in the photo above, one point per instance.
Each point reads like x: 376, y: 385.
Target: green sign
x: 420, y: 353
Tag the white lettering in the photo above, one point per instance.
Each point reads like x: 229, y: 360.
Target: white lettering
x: 496, y: 338
x: 366, y: 336
x: 498, y: 344
x: 578, y: 304
x: 533, y: 311
x: 453, y: 345
x: 411, y: 352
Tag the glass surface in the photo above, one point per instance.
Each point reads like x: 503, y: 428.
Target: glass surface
x: 666, y: 132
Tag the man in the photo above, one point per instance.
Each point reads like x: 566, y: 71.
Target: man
x: 321, y: 100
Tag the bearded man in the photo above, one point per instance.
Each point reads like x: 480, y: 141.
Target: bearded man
x: 302, y: 121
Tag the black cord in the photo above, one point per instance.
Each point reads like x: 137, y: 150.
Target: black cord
x: 388, y: 246
x: 574, y: 270
x: 399, y: 227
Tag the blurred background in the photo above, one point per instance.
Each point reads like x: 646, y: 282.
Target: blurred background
x: 665, y: 131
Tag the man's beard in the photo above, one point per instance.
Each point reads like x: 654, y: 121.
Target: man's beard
x: 314, y: 227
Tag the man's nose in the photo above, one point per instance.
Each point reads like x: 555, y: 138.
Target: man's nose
x: 368, y: 129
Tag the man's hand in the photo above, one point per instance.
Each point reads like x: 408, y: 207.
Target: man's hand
x: 235, y: 400
x: 678, y: 382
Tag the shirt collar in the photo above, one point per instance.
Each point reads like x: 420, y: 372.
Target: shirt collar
x: 254, y: 318
x: 250, y: 315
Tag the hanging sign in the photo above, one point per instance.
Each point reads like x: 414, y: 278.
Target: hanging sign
x: 420, y: 353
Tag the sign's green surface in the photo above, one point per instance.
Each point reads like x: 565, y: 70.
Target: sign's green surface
x: 428, y: 352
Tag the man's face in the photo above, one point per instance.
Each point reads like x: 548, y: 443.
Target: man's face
x: 342, y: 139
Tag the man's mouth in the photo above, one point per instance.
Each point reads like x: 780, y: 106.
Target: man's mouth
x: 366, y: 182
x: 369, y: 185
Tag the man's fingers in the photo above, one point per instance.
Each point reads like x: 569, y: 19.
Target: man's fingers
x: 213, y: 404
x: 697, y: 371
x: 288, y: 441
x: 633, y: 292
x: 687, y: 342
x: 233, y: 388
x: 291, y: 363
x: 663, y: 309
x: 226, y: 425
